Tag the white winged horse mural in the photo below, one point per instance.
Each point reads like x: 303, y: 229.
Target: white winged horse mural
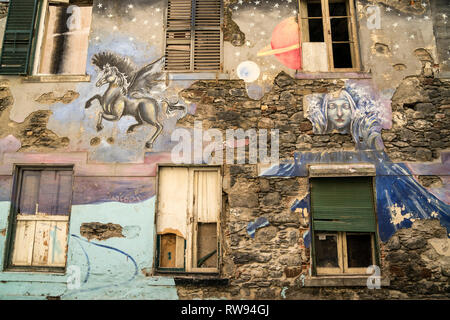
x: 129, y: 92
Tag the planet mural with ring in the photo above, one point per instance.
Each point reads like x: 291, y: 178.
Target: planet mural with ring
x: 285, y: 44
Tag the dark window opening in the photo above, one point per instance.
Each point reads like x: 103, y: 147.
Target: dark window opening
x: 315, y: 22
x: 359, y: 250
x: 326, y: 250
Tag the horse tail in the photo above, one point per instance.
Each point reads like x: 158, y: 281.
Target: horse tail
x: 169, y: 108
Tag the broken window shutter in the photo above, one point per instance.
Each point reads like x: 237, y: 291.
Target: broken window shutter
x: 18, y: 37
x: 343, y: 204
x: 178, y: 35
x: 207, y: 202
x: 207, y: 35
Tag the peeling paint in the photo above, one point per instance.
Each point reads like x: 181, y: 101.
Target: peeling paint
x: 100, y: 231
x: 51, y: 97
x: 396, y: 214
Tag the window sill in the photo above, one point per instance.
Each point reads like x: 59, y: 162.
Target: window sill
x: 189, y: 278
x: 33, y: 276
x: 57, y: 78
x: 342, y: 281
x: 197, y: 75
x: 333, y: 75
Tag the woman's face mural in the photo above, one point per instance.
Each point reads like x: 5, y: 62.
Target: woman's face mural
x: 339, y: 114
x: 349, y: 110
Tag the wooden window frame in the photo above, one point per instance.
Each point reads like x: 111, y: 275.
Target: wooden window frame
x: 343, y: 255
x: 17, y: 187
x: 192, y: 224
x: 343, y: 269
x: 37, y: 49
x: 353, y: 33
x: 192, y: 30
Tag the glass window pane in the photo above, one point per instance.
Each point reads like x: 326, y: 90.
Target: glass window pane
x: 314, y: 9
x: 337, y: 8
x: 342, y: 55
x: 29, y: 191
x: 315, y: 30
x: 206, y: 246
x: 326, y: 250
x: 359, y: 250
x: 339, y: 29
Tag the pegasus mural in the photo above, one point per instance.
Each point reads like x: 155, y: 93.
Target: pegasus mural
x: 131, y: 92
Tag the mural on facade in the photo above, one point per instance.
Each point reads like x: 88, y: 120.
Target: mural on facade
x: 285, y: 44
x: 270, y: 43
x: 347, y: 111
x: 355, y: 110
x: 129, y: 92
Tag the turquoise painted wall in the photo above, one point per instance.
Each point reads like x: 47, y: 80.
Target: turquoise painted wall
x: 109, y: 269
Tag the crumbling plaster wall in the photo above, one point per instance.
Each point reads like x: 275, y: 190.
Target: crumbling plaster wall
x: 389, y: 52
x: 275, y: 263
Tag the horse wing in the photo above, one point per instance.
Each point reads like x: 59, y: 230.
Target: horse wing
x: 145, y: 78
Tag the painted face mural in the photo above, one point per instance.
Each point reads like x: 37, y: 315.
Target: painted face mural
x: 339, y: 113
x: 346, y: 111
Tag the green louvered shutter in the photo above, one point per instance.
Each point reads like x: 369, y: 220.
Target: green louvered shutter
x: 18, y: 38
x: 343, y: 204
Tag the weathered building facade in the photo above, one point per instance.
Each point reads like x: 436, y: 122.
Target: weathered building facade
x: 115, y: 172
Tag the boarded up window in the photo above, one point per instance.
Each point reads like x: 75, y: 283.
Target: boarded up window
x: 42, y: 218
x: 189, y: 202
x: 344, y: 224
x: 193, y: 35
x: 65, y: 43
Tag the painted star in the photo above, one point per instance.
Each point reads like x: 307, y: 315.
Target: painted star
x: 130, y: 6
x: 100, y: 5
x: 276, y: 5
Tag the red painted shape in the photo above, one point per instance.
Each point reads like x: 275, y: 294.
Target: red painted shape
x: 286, y: 34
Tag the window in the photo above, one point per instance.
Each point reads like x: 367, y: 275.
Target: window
x: 41, y: 218
x: 187, y: 221
x: 328, y: 35
x: 48, y: 37
x: 343, y: 225
x: 194, y: 36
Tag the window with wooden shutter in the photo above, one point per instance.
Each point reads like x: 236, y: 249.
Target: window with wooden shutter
x: 187, y: 220
x: 194, y: 36
x: 343, y: 224
x: 18, y: 37
x: 43, y: 202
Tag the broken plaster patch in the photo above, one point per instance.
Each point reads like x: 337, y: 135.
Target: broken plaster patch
x: 396, y: 214
x: 101, y: 231
x: 442, y: 246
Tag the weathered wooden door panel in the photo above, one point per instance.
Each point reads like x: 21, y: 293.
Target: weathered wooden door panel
x: 23, y: 243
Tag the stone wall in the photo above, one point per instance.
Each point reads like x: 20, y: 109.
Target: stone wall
x: 420, y: 112
x: 274, y: 263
